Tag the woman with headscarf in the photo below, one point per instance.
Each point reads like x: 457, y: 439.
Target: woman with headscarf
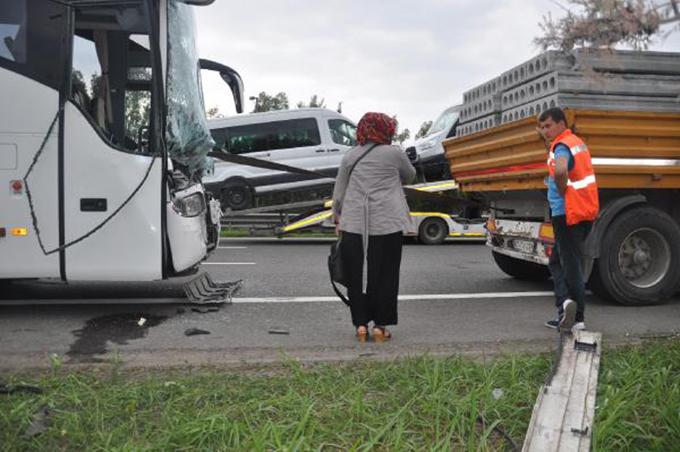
x: 371, y: 214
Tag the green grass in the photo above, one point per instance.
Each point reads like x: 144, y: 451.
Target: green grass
x: 415, y: 404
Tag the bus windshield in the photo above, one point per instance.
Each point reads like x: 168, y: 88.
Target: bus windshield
x: 187, y: 134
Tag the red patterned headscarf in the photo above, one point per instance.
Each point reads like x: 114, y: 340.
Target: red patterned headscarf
x: 377, y: 128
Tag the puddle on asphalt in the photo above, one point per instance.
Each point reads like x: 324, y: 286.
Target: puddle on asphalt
x: 117, y: 328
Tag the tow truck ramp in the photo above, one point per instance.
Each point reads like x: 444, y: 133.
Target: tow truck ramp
x: 564, y: 412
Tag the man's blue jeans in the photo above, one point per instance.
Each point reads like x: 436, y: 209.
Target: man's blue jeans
x: 566, y: 263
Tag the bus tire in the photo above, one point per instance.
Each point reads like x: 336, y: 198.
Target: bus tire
x: 433, y: 231
x: 521, y: 269
x: 639, y: 262
x: 236, y: 195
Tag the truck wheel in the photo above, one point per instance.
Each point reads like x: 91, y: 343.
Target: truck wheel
x: 521, y: 269
x: 433, y: 231
x: 236, y: 195
x: 639, y: 261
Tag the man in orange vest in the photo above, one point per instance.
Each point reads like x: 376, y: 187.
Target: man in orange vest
x: 574, y: 205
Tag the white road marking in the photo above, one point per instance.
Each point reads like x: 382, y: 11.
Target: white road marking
x: 228, y: 263
x: 232, y: 247
x: 451, y: 296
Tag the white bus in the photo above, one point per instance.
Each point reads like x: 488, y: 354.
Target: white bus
x: 103, y: 140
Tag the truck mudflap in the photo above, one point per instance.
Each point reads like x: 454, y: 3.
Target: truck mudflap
x: 524, y: 240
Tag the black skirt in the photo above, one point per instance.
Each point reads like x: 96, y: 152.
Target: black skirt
x: 379, y: 303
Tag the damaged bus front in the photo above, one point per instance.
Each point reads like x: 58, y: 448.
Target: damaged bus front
x: 106, y: 141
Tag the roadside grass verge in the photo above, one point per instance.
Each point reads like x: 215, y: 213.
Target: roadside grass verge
x: 422, y: 403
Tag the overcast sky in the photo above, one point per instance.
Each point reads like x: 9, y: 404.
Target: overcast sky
x: 412, y: 59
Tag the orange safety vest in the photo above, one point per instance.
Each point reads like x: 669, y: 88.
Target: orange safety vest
x: 580, y: 200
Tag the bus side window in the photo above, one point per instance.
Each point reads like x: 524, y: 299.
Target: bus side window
x: 34, y: 48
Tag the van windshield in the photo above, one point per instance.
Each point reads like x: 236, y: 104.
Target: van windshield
x: 187, y: 133
x: 443, y: 122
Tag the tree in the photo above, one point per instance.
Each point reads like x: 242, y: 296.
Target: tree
x: 313, y: 103
x: 400, y: 137
x: 604, y: 23
x: 424, y: 127
x: 266, y: 102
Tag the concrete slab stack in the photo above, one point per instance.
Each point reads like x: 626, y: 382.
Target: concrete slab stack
x: 598, y: 80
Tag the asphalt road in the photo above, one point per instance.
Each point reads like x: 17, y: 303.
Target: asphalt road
x: 453, y: 300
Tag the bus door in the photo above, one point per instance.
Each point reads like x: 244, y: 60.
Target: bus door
x: 112, y: 176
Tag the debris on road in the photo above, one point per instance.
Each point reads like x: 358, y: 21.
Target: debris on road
x: 204, y: 309
x: 141, y: 321
x: 195, y: 331
x: 203, y: 290
x: 497, y: 393
x: 39, y: 424
x: 278, y: 331
x: 11, y: 389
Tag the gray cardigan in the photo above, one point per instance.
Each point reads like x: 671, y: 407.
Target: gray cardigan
x: 373, y: 202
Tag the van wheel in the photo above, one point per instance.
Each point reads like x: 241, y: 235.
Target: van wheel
x: 433, y: 231
x: 639, y: 261
x: 521, y: 269
x: 236, y: 195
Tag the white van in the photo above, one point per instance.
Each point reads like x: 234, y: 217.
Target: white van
x: 427, y: 154
x: 313, y: 139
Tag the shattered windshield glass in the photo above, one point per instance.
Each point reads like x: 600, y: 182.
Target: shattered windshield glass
x: 187, y: 133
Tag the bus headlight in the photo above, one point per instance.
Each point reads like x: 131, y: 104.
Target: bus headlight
x: 192, y: 205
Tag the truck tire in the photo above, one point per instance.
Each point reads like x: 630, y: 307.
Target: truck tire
x: 433, y: 231
x: 521, y: 269
x: 639, y: 260
x: 236, y: 195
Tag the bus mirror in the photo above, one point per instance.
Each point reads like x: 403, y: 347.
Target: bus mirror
x: 231, y: 77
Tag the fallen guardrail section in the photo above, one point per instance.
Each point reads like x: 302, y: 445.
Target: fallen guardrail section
x: 564, y: 412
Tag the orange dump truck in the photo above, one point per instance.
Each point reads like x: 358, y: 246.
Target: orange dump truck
x: 633, y: 251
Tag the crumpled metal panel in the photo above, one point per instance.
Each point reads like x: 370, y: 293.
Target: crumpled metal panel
x: 187, y: 134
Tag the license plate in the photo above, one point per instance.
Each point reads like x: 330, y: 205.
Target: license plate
x: 525, y: 246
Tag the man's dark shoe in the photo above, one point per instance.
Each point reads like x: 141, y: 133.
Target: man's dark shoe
x: 569, y: 315
x: 554, y: 323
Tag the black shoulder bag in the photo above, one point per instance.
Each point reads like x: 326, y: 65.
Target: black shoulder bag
x: 336, y: 268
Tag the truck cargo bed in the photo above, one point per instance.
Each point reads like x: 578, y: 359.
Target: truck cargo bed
x: 629, y: 150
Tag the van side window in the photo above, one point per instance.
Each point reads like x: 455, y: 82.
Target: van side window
x: 270, y: 136
x: 343, y: 132
x: 295, y: 133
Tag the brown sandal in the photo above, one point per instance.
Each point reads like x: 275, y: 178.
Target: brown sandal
x: 362, y: 333
x: 381, y: 334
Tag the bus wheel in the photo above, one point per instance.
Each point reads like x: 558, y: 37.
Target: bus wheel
x: 639, y: 261
x: 236, y: 195
x: 432, y: 231
x: 521, y: 269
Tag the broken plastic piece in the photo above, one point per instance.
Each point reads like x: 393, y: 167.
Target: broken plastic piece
x: 195, y: 331
x: 203, y: 290
x: 278, y: 331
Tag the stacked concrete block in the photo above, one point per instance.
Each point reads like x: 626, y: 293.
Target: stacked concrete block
x: 481, y: 101
x: 591, y: 102
x: 618, y: 80
x: 627, y: 62
x: 479, y: 124
x: 484, y: 107
x: 546, y: 62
